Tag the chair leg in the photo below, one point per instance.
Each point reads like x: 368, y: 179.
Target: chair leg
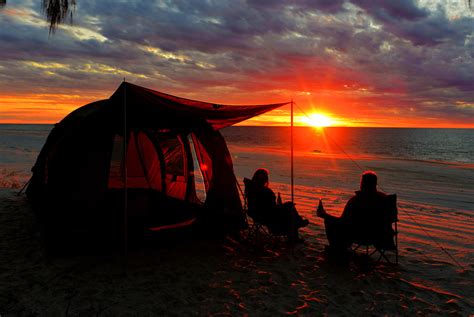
x: 382, y: 255
x: 385, y: 257
x: 257, y: 234
x: 396, y: 242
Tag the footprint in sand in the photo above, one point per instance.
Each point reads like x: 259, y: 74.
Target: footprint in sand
x: 452, y: 305
x: 465, y: 273
x: 386, y: 296
x: 357, y: 293
x: 413, y: 250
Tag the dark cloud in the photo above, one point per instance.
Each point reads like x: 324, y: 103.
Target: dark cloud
x: 406, y: 20
x: 330, y: 6
x: 391, y: 11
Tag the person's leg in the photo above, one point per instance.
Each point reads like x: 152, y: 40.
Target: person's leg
x: 286, y: 222
x: 296, y: 222
x: 293, y: 216
x: 336, y: 233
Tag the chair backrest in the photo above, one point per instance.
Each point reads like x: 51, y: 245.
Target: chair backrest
x: 247, y: 185
x: 380, y: 233
x: 249, y: 196
x: 390, y: 207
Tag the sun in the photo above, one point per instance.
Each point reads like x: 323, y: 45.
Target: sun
x: 317, y: 120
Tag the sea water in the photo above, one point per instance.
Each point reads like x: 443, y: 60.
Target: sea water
x: 21, y: 143
x: 438, y: 145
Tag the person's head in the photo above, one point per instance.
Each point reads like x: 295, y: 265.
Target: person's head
x: 368, y: 181
x: 260, y: 177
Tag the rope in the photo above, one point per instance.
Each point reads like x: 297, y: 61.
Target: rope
x: 405, y: 211
x: 239, y: 187
x: 433, y: 239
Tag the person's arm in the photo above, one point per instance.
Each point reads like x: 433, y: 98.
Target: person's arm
x: 348, y: 212
x: 271, y: 198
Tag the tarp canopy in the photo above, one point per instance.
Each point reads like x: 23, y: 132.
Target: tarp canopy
x: 217, y: 115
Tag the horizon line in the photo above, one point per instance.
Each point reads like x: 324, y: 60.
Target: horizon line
x: 287, y: 126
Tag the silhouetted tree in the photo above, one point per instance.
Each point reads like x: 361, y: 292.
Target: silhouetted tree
x: 57, y: 11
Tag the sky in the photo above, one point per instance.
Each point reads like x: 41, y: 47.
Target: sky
x: 403, y: 63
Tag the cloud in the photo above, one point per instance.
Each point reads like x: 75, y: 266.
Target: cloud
x: 390, y: 11
x: 344, y: 53
x: 422, y: 27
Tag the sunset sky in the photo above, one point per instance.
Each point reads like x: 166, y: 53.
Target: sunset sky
x: 362, y: 63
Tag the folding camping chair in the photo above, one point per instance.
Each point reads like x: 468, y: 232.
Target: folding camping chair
x: 258, y: 227
x: 383, y: 236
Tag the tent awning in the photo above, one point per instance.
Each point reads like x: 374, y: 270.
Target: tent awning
x: 218, y: 115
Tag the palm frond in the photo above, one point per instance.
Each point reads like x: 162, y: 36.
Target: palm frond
x: 57, y: 11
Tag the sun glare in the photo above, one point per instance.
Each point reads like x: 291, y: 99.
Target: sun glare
x: 317, y: 120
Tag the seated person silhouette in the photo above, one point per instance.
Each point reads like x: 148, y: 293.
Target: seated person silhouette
x: 263, y: 207
x: 361, y: 217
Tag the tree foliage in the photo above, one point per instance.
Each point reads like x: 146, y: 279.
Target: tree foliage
x: 57, y: 11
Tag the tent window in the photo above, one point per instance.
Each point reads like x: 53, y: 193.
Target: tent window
x: 205, y: 162
x: 175, y: 164
x: 148, y: 160
x: 198, y: 178
x: 174, y: 156
x: 117, y: 157
x: 143, y: 166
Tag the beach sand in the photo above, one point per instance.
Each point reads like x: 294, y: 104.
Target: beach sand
x: 206, y: 277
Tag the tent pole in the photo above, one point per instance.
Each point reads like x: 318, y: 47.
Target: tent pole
x: 291, y: 163
x: 291, y: 145
x: 125, y: 176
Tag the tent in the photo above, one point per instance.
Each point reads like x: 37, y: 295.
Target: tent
x: 140, y: 159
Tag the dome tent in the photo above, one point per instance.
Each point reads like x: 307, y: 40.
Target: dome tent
x: 152, y: 144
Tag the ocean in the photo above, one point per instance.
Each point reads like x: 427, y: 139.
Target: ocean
x: 21, y: 143
x: 438, y: 145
